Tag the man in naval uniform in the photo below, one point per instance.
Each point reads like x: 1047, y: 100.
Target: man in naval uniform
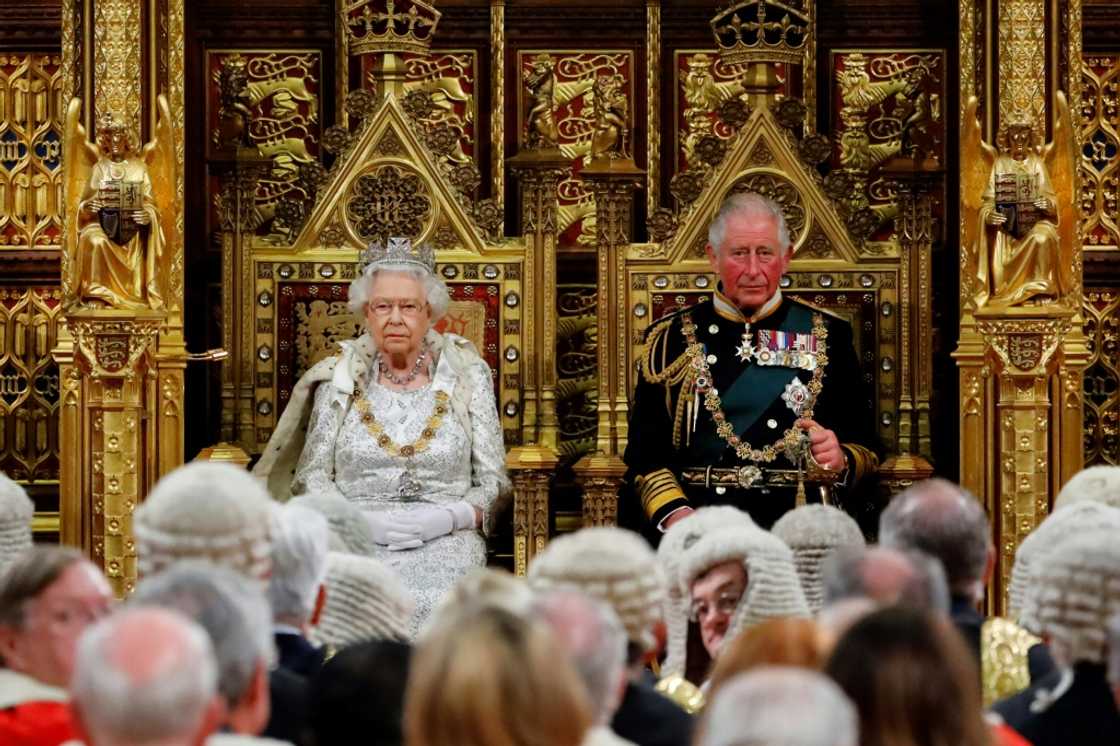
x: 750, y: 398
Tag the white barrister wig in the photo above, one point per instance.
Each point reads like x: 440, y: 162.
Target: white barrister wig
x: 1072, y: 521
x: 16, y: 512
x: 366, y: 600
x: 710, y: 537
x: 813, y: 532
x: 1075, y: 593
x: 1095, y: 484
x: 350, y: 531
x: 613, y: 565
x: 208, y: 511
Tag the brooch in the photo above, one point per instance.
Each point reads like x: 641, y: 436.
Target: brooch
x: 796, y: 395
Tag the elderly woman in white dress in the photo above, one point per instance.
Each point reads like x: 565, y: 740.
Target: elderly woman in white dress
x: 402, y: 423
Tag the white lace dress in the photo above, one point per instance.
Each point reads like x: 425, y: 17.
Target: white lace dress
x: 460, y: 464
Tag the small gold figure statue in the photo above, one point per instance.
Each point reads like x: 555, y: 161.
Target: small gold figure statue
x: 540, y: 122
x: 1019, y: 211
x: 611, y: 115
x: 114, y: 229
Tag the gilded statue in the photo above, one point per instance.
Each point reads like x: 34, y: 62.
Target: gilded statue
x: 1020, y: 211
x: 234, y: 115
x: 540, y: 121
x: 611, y: 115
x: 115, y: 230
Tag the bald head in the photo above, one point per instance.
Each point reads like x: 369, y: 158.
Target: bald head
x: 945, y: 521
x: 886, y: 576
x: 145, y: 676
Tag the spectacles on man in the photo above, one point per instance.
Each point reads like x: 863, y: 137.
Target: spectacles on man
x: 410, y: 308
x: 725, y: 604
x: 762, y: 254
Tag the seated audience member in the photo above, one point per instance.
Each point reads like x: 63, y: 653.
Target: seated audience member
x: 589, y: 631
x: 886, y: 576
x: 297, y: 589
x: 946, y: 522
x: 814, y: 532
x: 727, y: 579
x: 235, y: 614
x: 350, y: 532
x: 1099, y: 484
x: 361, y: 691
x: 145, y: 676
x: 16, y: 512
x: 620, y: 569
x: 486, y: 677
x: 796, y: 643
x: 1074, y: 594
x: 912, y: 680
x: 208, y: 511
x: 780, y: 706
x: 48, y: 596
x: 366, y: 601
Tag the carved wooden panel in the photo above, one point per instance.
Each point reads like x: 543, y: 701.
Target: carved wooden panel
x: 30, y: 150
x: 577, y: 348
x: 1102, y: 376
x: 1100, y: 153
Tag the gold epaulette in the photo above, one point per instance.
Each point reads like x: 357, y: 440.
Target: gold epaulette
x: 656, y: 367
x: 815, y: 307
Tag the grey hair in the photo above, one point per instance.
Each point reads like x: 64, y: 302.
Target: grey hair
x: 847, y: 573
x: 944, y: 520
x: 121, y: 706
x: 1114, y: 650
x: 780, y: 706
x: 749, y: 204
x: 591, y: 632
x: 230, y: 607
x: 434, y: 288
x: 300, y: 543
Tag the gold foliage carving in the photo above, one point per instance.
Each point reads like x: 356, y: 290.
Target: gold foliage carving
x: 30, y: 150
x: 320, y: 326
x: 388, y: 201
x: 448, y: 80
x: 1101, y: 309
x: 1100, y: 157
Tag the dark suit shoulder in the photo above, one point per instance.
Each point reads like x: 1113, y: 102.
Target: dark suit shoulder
x: 648, y: 718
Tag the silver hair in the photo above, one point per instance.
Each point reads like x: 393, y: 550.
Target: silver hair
x: 434, y: 288
x: 170, y: 699
x: 846, y: 574
x: 591, y: 632
x: 230, y: 607
x: 780, y: 706
x: 300, y: 543
x: 1114, y: 650
x: 749, y: 204
x: 944, y: 520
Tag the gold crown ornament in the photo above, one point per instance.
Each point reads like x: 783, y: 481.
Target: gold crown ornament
x: 381, y: 26
x: 399, y: 251
x: 763, y: 31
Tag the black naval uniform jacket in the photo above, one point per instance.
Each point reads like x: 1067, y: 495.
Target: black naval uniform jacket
x: 663, y: 442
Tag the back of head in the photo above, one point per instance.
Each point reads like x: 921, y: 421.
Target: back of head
x: 1099, y: 484
x: 361, y: 690
x: 613, y: 565
x: 232, y: 610
x: 486, y: 586
x: 349, y: 531
x: 207, y: 511
x: 911, y: 678
x: 486, y: 677
x: 590, y: 632
x: 813, y: 532
x: 777, y: 642
x: 780, y: 706
x: 365, y: 601
x: 886, y: 576
x: 1076, y: 591
x: 16, y: 512
x: 299, y: 562
x: 946, y: 522
x: 1074, y: 520
x: 144, y: 676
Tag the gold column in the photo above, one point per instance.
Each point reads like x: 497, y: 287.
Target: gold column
x: 653, y: 106
x: 498, y: 105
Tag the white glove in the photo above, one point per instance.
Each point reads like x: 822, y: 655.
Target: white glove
x: 389, y: 530
x: 427, y: 522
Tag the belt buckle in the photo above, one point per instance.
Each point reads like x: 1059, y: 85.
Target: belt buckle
x: 748, y: 475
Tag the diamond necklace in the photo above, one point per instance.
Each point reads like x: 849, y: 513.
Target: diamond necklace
x: 393, y: 378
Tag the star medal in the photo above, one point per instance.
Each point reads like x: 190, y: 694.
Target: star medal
x: 796, y: 395
x: 745, y: 351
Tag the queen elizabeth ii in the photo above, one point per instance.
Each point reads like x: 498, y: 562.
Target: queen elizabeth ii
x: 403, y: 423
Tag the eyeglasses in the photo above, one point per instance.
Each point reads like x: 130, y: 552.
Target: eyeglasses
x: 409, y: 308
x: 763, y: 254
x: 725, y: 604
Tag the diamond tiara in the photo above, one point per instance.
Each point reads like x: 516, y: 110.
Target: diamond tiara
x: 399, y: 251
